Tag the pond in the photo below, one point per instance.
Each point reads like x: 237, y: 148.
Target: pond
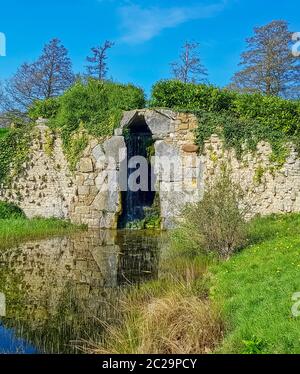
x: 60, y: 292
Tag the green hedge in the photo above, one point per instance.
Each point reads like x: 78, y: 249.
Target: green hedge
x: 269, y: 111
x: 175, y: 94
x: 8, y: 211
x: 242, y: 120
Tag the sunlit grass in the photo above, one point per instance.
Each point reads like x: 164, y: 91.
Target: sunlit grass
x: 16, y: 230
x: 254, y: 289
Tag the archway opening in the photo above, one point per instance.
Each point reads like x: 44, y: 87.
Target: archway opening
x: 135, y: 201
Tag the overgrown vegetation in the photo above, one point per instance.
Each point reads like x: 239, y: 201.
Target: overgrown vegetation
x: 159, y: 320
x: 152, y: 219
x: 170, y: 315
x: 8, y: 210
x: 174, y: 314
x: 216, y: 224
x: 14, y: 151
x: 241, y: 120
x: 88, y: 108
x: 47, y: 108
x: 3, y: 132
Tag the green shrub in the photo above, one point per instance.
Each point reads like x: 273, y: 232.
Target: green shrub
x: 175, y: 94
x: 44, y: 108
x: 90, y: 107
x: 94, y: 107
x: 216, y: 224
x: 8, y: 211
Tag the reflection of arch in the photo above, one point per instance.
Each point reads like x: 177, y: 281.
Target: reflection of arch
x: 63, y: 284
x: 139, y: 142
x: 140, y: 256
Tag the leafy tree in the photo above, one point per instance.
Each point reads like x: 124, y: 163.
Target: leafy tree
x: 189, y: 68
x: 98, y: 65
x: 45, y: 78
x: 268, y: 65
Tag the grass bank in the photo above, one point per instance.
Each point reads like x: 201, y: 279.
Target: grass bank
x: 201, y: 304
x: 254, y: 289
x: 18, y: 229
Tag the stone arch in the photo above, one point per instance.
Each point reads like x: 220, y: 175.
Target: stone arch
x: 161, y: 122
x: 139, y: 149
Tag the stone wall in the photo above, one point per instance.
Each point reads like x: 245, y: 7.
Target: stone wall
x: 268, y: 188
x: 91, y: 194
x: 45, y: 187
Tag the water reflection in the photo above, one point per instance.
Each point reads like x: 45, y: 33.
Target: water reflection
x: 62, y: 290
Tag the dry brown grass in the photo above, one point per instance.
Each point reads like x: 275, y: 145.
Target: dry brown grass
x: 177, y: 324
x: 174, y: 324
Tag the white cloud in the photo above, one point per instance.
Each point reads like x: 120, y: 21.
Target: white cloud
x: 142, y: 24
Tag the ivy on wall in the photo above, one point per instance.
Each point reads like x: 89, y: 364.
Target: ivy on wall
x: 14, y: 152
x: 241, y: 120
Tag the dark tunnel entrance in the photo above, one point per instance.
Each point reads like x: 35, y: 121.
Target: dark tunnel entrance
x: 139, y: 142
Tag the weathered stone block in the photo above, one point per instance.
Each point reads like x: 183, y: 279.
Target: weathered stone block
x: 86, y: 165
x: 83, y: 190
x: 98, y: 152
x: 113, y: 146
x: 190, y: 148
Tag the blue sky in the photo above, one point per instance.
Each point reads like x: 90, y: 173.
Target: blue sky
x: 148, y: 33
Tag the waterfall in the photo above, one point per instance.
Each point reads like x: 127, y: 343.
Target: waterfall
x: 133, y: 203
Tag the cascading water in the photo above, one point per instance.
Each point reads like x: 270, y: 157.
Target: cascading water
x: 138, y: 141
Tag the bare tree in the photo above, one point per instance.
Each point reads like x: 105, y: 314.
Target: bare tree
x: 98, y: 61
x: 268, y: 65
x: 189, y: 67
x: 48, y: 77
x: 21, y: 90
x: 54, y: 68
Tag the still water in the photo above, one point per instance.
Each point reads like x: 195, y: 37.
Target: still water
x: 61, y: 291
